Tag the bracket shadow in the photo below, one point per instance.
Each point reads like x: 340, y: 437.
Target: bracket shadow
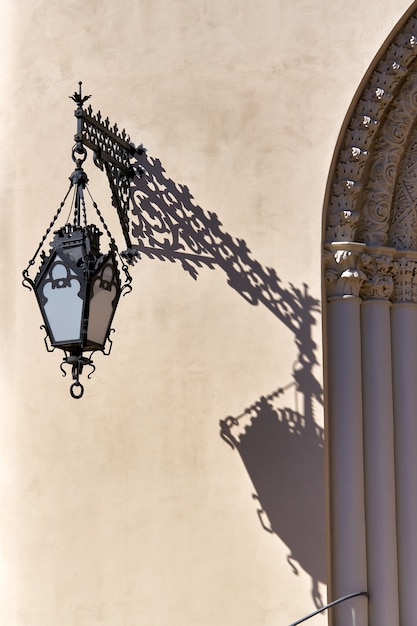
x: 281, y: 448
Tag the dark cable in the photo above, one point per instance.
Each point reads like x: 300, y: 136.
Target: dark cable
x: 328, y: 606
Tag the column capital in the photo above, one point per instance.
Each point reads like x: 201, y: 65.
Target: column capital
x: 343, y: 269
x: 378, y: 265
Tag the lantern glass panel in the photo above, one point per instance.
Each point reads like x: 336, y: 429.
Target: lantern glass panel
x: 62, y: 305
x: 105, y: 292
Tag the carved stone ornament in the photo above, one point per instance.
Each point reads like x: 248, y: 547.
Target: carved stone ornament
x: 370, y: 246
x: 372, y: 147
x: 403, y: 220
x: 378, y: 267
x: 389, y: 147
x: 405, y: 279
x: 343, y: 273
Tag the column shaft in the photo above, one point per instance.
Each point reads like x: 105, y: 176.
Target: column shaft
x: 345, y: 445
x: 378, y: 423
x: 404, y: 352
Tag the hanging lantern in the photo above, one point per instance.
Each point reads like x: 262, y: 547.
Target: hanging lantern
x: 77, y: 286
x: 78, y: 289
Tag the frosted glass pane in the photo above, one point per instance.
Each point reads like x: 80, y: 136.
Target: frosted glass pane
x: 101, y: 311
x: 64, y: 310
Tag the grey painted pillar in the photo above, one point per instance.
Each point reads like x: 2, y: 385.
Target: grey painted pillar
x: 378, y: 420
x: 404, y: 354
x: 345, y: 434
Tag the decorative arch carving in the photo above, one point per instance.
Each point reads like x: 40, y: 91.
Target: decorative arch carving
x: 373, y: 193
x: 385, y: 160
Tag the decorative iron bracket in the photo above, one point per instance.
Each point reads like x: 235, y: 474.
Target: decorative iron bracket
x: 113, y: 152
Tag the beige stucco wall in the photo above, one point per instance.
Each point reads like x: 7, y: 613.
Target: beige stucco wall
x: 127, y: 507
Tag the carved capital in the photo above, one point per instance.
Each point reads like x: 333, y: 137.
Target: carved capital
x: 343, y: 271
x: 405, y: 279
x: 378, y: 266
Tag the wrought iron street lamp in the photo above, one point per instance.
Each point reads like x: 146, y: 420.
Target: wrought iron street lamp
x: 78, y: 286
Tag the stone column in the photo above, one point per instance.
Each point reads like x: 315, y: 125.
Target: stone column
x: 378, y: 428
x: 344, y: 276
x: 404, y: 359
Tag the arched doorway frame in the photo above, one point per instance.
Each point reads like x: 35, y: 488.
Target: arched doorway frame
x: 370, y: 341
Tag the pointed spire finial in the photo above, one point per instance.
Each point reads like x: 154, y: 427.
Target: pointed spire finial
x: 78, y: 97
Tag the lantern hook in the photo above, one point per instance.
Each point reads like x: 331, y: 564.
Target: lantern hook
x: 77, y: 363
x: 79, y: 153
x: 76, y: 394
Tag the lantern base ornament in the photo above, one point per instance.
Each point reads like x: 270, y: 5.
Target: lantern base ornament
x: 77, y: 363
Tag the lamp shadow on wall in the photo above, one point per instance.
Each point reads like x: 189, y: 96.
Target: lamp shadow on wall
x: 281, y: 447
x: 282, y: 450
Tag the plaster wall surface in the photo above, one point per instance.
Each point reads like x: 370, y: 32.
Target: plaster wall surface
x: 127, y: 507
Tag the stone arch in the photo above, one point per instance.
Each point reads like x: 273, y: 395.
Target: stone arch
x: 372, y: 146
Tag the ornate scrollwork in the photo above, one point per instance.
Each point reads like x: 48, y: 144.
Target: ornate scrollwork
x: 405, y: 279
x: 120, y: 190
x: 389, y: 148
x: 378, y: 268
x: 108, y: 143
x: 359, y: 139
x: 403, y: 220
x: 112, y: 151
